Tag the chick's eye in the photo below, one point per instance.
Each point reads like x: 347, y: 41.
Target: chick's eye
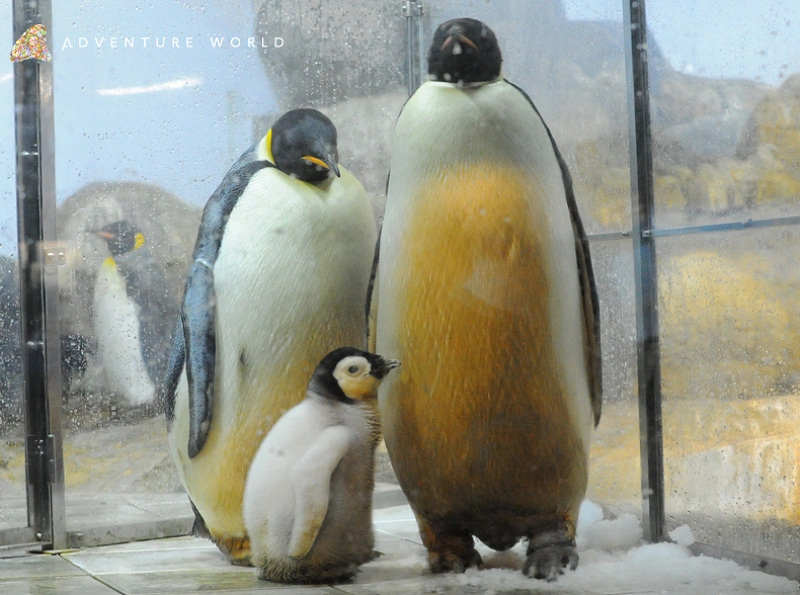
x: 352, y: 369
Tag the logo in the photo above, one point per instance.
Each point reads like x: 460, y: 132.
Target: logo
x: 30, y: 45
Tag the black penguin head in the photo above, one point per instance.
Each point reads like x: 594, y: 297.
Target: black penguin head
x: 348, y: 374
x: 303, y: 145
x: 121, y: 237
x: 464, y: 51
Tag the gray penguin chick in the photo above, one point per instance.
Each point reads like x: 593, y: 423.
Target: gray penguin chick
x: 308, y: 497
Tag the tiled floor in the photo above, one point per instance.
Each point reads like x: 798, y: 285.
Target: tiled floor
x: 188, y: 565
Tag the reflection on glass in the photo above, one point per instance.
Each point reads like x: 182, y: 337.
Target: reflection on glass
x: 12, y: 432
x: 614, y: 468
x: 729, y: 319
x: 726, y: 111
x: 153, y: 105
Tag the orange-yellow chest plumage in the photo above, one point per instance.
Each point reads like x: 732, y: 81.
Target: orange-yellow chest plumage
x: 479, y: 299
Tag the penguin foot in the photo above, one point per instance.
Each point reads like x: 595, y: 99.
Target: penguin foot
x: 449, y: 550
x: 548, y: 555
x: 452, y: 561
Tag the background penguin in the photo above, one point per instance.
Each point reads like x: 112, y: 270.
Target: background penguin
x: 308, y: 499
x: 279, y: 278
x: 487, y: 296
x: 131, y: 307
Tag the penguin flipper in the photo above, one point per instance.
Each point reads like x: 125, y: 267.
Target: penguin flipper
x: 199, y: 337
x: 168, y: 389
x: 589, y: 301
x: 311, y: 480
x: 198, y: 313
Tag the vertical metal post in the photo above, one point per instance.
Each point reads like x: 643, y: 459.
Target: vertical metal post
x: 38, y: 259
x: 644, y: 258
x: 413, y: 12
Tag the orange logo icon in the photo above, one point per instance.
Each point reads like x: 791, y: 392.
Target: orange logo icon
x: 31, y: 44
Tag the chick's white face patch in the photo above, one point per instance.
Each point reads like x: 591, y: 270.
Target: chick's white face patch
x: 353, y: 376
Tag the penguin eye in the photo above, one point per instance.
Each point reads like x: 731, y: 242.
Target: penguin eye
x: 352, y: 369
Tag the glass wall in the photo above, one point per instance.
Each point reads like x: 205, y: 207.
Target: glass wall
x: 12, y: 432
x: 726, y: 115
x: 153, y: 104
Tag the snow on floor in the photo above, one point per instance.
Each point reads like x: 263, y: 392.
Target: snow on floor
x: 614, y: 560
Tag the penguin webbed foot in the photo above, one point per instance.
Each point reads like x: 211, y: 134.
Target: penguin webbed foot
x: 452, y: 561
x: 449, y: 551
x: 548, y: 555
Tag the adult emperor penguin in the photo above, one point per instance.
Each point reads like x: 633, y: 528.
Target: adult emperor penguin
x: 308, y: 498
x: 133, y: 315
x: 486, y: 294
x: 279, y: 278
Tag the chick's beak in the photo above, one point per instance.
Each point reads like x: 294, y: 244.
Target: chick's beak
x: 383, y: 368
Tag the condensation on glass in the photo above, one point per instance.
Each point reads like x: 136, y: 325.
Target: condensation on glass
x: 153, y: 104
x: 13, y: 512
x: 726, y: 126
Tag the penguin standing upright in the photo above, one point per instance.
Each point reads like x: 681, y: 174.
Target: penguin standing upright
x: 487, y: 296
x: 133, y: 315
x: 279, y: 278
x: 308, y: 498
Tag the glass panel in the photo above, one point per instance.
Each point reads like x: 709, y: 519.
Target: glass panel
x: 579, y: 88
x: 726, y: 110
x: 153, y: 104
x: 13, y: 511
x: 729, y: 318
x: 615, y: 465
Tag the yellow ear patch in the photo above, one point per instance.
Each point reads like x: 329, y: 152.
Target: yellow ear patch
x: 268, y: 145
x: 139, y: 242
x: 354, y: 378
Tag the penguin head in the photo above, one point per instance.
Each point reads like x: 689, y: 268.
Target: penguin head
x: 464, y: 51
x: 302, y: 144
x: 348, y: 374
x: 121, y: 237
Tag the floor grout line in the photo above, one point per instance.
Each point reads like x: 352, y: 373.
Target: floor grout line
x: 94, y: 576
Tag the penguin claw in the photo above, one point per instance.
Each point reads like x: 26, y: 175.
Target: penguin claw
x: 449, y: 561
x: 549, y: 562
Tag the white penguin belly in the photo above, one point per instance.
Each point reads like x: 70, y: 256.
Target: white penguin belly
x: 480, y: 299
x: 116, y: 327
x: 290, y: 283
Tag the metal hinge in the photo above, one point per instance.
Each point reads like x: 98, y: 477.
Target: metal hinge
x: 55, y: 256
x: 409, y: 9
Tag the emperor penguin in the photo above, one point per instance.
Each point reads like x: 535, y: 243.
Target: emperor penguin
x: 281, y: 266
x: 133, y: 315
x: 308, y: 497
x: 486, y: 294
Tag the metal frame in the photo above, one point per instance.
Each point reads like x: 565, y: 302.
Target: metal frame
x: 644, y: 262
x: 33, y: 90
x: 414, y: 11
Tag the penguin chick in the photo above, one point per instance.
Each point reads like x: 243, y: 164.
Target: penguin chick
x: 308, y: 497
x: 131, y: 313
x: 484, y: 274
x: 280, y: 273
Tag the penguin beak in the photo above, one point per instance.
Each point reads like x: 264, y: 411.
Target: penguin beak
x: 461, y: 38
x: 382, y: 369
x: 329, y: 163
x: 106, y: 235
